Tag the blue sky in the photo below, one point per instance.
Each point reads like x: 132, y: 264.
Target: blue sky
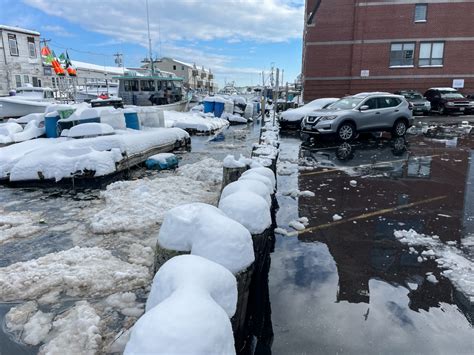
x: 237, y: 39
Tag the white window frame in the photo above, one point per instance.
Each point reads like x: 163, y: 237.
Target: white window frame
x: 18, y: 82
x: 31, y: 47
x: 421, y: 5
x: 13, y: 44
x: 26, y: 79
x: 403, y: 44
x: 430, y: 64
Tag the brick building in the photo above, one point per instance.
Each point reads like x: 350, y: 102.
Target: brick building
x: 352, y: 46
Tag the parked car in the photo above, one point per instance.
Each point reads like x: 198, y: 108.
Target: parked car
x: 292, y: 118
x: 420, y: 104
x: 363, y: 112
x: 471, y: 104
x: 447, y: 101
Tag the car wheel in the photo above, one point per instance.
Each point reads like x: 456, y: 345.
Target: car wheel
x: 399, y: 128
x: 345, y: 151
x: 346, y: 132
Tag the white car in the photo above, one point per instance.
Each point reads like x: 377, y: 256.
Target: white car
x: 293, y: 117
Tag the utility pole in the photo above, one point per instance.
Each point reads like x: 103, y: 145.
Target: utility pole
x: 119, y: 59
x: 275, y: 95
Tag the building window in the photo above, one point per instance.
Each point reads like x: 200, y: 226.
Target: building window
x: 182, y: 67
x: 26, y: 79
x: 420, y: 12
x: 31, y: 47
x: 174, y: 67
x: 147, y: 85
x: 36, y: 82
x: 401, y: 54
x: 18, y: 81
x: 13, y: 45
x: 431, y: 54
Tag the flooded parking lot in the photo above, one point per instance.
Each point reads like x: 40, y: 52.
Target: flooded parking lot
x: 344, y: 283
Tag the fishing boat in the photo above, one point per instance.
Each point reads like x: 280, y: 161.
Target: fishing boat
x: 27, y: 100
x: 160, y: 88
x: 92, y: 91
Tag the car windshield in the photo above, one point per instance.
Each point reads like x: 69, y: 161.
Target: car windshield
x: 451, y: 95
x: 346, y: 103
x: 413, y: 96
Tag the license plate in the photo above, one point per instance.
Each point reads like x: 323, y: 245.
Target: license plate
x: 461, y: 109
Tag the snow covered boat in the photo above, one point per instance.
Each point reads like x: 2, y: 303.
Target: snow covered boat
x: 92, y: 91
x: 27, y: 100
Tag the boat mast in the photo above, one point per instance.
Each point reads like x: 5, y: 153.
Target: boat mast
x: 149, y: 39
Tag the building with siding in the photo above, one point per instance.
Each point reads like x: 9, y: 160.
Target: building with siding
x: 352, y: 46
x: 20, y: 59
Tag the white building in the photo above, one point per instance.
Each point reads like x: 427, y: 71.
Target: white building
x: 20, y: 59
x: 197, y: 78
x: 94, y: 73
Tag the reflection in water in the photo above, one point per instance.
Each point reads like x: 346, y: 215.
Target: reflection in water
x: 353, y: 287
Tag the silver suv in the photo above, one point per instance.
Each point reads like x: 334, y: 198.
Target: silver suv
x: 363, y: 112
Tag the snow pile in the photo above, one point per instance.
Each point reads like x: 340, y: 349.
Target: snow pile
x: 254, y: 186
x: 18, y: 316
x: 77, y: 331
x: 297, y: 114
x: 266, y: 150
x: 31, y: 130
x: 188, y: 310
x: 207, y: 170
x: 457, y: 267
x: 231, y: 162
x: 78, y: 271
x: 249, y: 209
x: 256, y: 176
x: 336, y: 217
x: 194, y: 121
x: 262, y: 171
x: 38, y: 117
x: 18, y: 224
x: 90, y: 130
x: 60, y: 158
x: 297, y: 193
x: 234, y: 118
x: 141, y: 204
x: 206, y: 231
x: 299, y: 224
x: 126, y: 303
x: 8, y: 131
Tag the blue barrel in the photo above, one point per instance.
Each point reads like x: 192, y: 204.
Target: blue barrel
x: 208, y: 106
x: 51, y: 126
x: 131, y: 120
x: 258, y: 107
x: 218, y: 109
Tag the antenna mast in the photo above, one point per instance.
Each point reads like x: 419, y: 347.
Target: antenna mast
x: 149, y: 39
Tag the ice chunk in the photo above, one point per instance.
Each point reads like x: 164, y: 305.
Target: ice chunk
x: 206, y: 231
x: 188, y: 310
x: 37, y: 328
x: 297, y: 225
x: 336, y: 217
x: 353, y: 183
x: 432, y: 278
x: 249, y: 209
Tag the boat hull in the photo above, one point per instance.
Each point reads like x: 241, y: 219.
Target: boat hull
x: 11, y: 108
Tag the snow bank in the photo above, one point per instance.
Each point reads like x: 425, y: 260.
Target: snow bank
x: 78, y: 271
x: 38, y: 117
x: 206, y: 231
x: 206, y: 170
x: 141, y: 204
x: 457, y: 267
x: 249, y: 209
x: 188, y: 310
x: 31, y: 130
x: 6, y: 129
x: 254, y: 186
x: 90, y: 130
x: 194, y: 121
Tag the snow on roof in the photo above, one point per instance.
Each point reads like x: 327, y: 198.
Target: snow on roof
x: 443, y: 89
x: 18, y: 29
x: 96, y: 67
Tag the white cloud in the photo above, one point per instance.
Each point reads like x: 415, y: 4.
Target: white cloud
x: 57, y: 30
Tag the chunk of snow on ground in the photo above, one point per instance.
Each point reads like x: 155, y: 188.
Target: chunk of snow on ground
x: 193, y: 121
x: 206, y: 170
x: 126, y: 303
x: 353, y: 183
x: 249, y: 209
x: 17, y: 316
x: 76, y: 272
x: 281, y: 231
x: 206, y: 231
x: 188, y: 310
x: 37, y: 328
x: 287, y: 168
x: 432, y: 278
x: 18, y: 224
x: 231, y: 162
x: 336, y: 217
x: 77, y: 331
x: 458, y: 268
x: 141, y: 255
x: 298, y: 193
x: 304, y: 220
x: 296, y: 225
x: 141, y: 204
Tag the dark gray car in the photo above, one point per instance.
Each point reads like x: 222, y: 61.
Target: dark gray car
x: 363, y: 112
x: 420, y: 104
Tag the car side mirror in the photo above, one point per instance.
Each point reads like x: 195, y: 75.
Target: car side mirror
x: 364, y: 108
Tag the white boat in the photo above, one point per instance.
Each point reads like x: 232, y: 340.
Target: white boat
x: 27, y: 100
x: 92, y: 91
